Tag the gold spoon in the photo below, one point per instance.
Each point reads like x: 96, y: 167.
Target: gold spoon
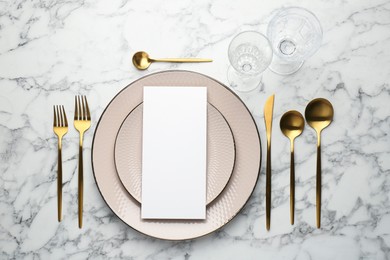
x: 292, y: 124
x: 142, y: 61
x: 319, y: 114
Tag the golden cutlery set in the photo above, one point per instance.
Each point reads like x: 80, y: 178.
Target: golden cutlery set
x: 82, y: 122
x: 318, y: 114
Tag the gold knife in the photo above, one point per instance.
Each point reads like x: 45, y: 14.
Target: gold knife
x: 268, y: 113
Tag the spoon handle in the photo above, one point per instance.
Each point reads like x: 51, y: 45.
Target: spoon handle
x: 292, y: 184
x: 182, y: 60
x: 318, y: 180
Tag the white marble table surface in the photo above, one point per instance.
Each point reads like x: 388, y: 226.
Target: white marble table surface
x: 51, y: 50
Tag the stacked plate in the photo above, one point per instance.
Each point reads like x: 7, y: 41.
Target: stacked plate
x: 233, y: 151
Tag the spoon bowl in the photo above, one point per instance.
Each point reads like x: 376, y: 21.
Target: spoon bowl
x: 319, y: 114
x: 292, y: 124
x: 141, y: 60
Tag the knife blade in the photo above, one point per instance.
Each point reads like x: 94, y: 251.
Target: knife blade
x: 268, y: 114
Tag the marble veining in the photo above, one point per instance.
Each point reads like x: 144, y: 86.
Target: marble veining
x: 51, y: 50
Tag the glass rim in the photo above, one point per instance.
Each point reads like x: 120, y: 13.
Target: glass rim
x: 307, y: 14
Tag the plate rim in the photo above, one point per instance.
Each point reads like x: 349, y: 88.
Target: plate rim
x: 258, y: 138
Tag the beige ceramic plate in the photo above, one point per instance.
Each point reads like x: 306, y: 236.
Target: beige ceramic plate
x: 220, y: 153
x: 226, y: 205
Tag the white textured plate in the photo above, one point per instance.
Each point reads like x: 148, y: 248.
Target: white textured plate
x: 232, y: 199
x: 220, y: 153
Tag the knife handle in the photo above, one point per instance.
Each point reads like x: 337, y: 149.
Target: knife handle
x: 268, y: 189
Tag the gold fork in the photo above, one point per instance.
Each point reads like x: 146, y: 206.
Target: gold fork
x: 82, y: 122
x: 60, y: 128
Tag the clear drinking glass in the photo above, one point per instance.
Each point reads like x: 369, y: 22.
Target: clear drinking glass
x: 295, y: 34
x: 249, y: 53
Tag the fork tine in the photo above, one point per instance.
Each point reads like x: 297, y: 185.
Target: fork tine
x: 79, y: 108
x: 54, y: 119
x: 76, y: 112
x: 64, y: 117
x: 61, y: 116
x: 58, y: 116
x: 87, y: 109
x: 83, y: 107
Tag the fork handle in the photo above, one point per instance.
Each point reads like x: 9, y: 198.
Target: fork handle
x: 81, y: 182
x: 59, y: 181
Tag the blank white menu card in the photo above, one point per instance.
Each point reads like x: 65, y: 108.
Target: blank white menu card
x: 174, y: 153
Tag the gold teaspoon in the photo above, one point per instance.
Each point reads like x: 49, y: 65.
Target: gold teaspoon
x: 292, y: 124
x: 319, y: 114
x: 142, y: 61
